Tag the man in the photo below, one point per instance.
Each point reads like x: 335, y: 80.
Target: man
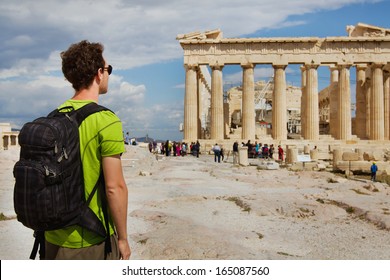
x: 217, y: 153
x: 127, y: 138
x: 101, y: 144
x: 196, y: 148
x: 374, y: 169
x: 235, y: 153
x: 249, y: 145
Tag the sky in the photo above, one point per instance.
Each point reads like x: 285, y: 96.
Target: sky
x: 146, y: 88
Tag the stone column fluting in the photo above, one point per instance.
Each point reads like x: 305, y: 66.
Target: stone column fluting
x: 279, y: 108
x: 303, y: 100
x: 344, y: 103
x: 367, y: 91
x: 386, y: 93
x: 312, y: 130
x: 377, y: 127
x: 361, y: 108
x: 190, y: 104
x: 217, y: 124
x: 248, y: 103
x: 201, y: 89
x: 333, y: 88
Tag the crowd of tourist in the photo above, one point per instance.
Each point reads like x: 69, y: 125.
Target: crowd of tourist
x: 258, y: 150
x: 177, y: 148
x: 173, y: 148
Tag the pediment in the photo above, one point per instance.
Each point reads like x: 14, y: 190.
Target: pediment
x: 211, y: 34
x: 366, y: 30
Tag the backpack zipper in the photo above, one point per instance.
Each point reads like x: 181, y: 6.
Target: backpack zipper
x: 63, y: 155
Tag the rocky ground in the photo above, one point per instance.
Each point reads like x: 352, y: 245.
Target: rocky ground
x: 194, y: 208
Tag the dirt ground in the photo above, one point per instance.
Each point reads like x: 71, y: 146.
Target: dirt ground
x: 193, y: 208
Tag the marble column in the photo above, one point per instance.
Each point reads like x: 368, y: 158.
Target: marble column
x: 333, y: 88
x: 217, y: 121
x: 386, y: 93
x: 201, y: 89
x: 279, y: 108
x: 377, y: 127
x: 344, y: 104
x: 367, y: 90
x: 312, y: 130
x: 248, y: 103
x: 303, y: 100
x: 190, y: 104
x: 361, y: 115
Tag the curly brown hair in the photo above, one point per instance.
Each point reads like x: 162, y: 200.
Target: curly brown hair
x: 80, y: 63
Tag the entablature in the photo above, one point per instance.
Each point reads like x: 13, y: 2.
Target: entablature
x: 204, y: 50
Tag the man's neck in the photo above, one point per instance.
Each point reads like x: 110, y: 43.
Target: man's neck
x: 86, y: 94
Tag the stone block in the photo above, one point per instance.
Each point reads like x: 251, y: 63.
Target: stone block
x: 296, y: 166
x: 144, y: 173
x: 268, y: 165
x: 309, y: 165
x: 243, y: 156
x: 314, y: 154
x: 350, y: 156
x: 321, y: 166
x: 373, y: 155
x: 337, y: 156
x: 354, y: 165
x: 378, y: 155
x: 292, y: 155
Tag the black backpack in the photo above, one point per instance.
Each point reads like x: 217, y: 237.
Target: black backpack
x: 49, y: 184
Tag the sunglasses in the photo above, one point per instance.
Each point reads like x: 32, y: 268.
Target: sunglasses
x: 109, y: 69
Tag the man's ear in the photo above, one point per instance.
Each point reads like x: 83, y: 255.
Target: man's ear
x: 99, y: 75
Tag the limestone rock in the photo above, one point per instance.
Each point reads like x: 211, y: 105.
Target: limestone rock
x: 350, y: 156
x: 268, y: 165
x: 144, y: 173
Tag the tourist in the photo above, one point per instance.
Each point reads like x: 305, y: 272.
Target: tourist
x: 158, y: 148
x: 162, y: 145
x: 271, y: 151
x: 260, y: 152
x: 222, y: 153
x: 178, y: 149
x: 249, y: 145
x: 374, y: 169
x: 235, y: 153
x: 84, y: 67
x: 154, y: 146
x: 217, y: 153
x: 280, y: 153
x: 167, y: 148
x: 174, y: 148
x: 183, y: 149
x: 265, y: 151
x: 257, y: 148
x: 127, y: 138
x: 196, y: 148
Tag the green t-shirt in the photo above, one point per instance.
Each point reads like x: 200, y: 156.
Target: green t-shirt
x: 100, y: 135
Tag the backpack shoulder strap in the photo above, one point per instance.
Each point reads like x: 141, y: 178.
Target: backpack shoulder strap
x: 81, y: 114
x: 89, y: 109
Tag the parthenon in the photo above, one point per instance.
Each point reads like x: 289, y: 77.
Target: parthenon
x: 366, y: 48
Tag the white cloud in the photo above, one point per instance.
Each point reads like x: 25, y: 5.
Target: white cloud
x: 21, y: 40
x: 142, y: 32
x: 181, y: 86
x: 135, y: 33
